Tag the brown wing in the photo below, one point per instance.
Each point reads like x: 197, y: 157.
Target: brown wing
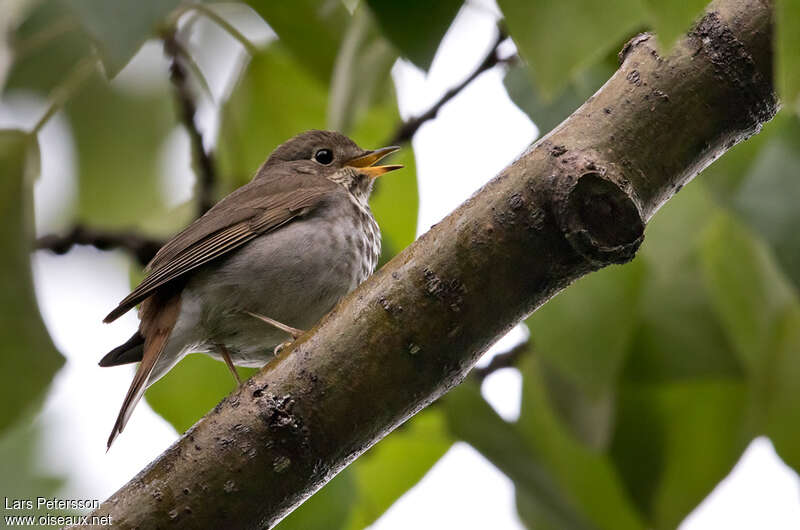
x: 254, y: 209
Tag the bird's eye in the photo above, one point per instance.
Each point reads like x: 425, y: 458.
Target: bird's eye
x: 324, y: 156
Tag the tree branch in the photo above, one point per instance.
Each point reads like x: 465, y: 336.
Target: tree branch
x: 506, y: 359
x: 406, y: 131
x: 204, y: 165
x: 139, y: 247
x: 576, y: 201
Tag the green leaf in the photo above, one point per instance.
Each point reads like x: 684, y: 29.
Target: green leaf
x: 415, y: 26
x: 761, y: 315
x: 191, y: 389
x: 396, y: 464
x: 586, y: 475
x: 559, y: 39
x: 470, y: 418
x: 29, y: 358
x: 671, y: 19
x: 675, y: 441
x: 46, y: 47
x: 767, y: 199
x: 23, y: 476
x: 547, y: 113
x: 361, y: 74
x: 311, y: 30
x: 326, y: 509
x: 747, y: 290
x: 119, y: 28
x: 582, y: 336
x: 787, y: 46
x: 118, y: 135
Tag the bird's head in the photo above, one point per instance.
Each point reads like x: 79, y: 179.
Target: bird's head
x: 334, y: 156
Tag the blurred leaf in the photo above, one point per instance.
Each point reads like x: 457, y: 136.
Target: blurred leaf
x: 119, y: 28
x: 747, y: 291
x: 583, y: 335
x: 191, y: 389
x: 471, y: 419
x: 23, y: 475
x: 559, y: 39
x: 679, y: 337
x: 787, y: 45
x: 675, y: 441
x: 311, y: 30
x: 326, y: 509
x: 768, y: 197
x: 729, y: 171
x: 761, y: 314
x: 118, y: 135
x: 46, y: 48
x: 585, y: 474
x: 396, y: 464
x: 415, y: 26
x: 545, y: 113
x: 28, y: 357
x: 361, y: 74
x: 672, y: 18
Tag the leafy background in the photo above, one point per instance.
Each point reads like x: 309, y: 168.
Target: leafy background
x: 642, y: 384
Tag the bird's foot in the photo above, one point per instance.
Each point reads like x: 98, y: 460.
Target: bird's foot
x: 228, y: 361
x: 279, y: 348
x: 294, y: 332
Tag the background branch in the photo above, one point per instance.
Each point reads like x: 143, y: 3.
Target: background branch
x: 506, y: 359
x: 203, y: 160
x: 139, y: 247
x: 406, y: 131
x: 574, y: 202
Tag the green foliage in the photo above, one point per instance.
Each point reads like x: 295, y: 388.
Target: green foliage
x: 118, y: 137
x: 787, y: 44
x: 311, y: 30
x: 120, y: 28
x: 415, y: 26
x: 28, y: 357
x: 559, y: 39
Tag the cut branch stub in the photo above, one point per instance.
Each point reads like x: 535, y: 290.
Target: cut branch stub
x: 597, y: 211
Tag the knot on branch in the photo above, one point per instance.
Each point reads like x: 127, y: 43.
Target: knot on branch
x: 599, y: 216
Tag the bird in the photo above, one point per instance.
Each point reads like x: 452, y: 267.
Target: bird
x: 264, y: 263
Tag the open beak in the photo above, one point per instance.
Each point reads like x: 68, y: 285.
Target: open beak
x: 365, y: 162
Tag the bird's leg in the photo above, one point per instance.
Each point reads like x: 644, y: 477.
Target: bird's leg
x: 227, y: 356
x: 294, y: 332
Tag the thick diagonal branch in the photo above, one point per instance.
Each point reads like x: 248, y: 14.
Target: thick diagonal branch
x: 576, y: 201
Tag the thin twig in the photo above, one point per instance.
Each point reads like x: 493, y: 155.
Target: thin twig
x: 140, y: 247
x: 507, y: 359
x: 206, y: 175
x: 406, y: 131
x: 66, y: 89
x: 209, y: 13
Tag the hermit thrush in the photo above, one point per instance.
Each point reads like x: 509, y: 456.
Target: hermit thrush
x: 273, y: 256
